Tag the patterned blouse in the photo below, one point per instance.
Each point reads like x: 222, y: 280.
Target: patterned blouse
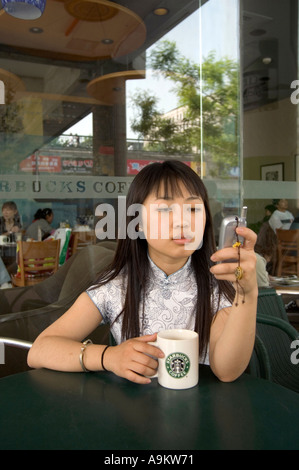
x: 169, y: 301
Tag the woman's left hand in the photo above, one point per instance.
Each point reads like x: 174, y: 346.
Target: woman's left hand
x: 225, y: 269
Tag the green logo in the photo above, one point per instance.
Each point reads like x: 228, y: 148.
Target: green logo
x: 177, y: 365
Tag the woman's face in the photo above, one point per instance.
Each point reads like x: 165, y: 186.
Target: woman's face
x: 49, y: 218
x: 173, y: 225
x: 8, y: 213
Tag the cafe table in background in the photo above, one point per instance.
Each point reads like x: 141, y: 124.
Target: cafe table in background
x: 44, y: 409
x: 285, y: 284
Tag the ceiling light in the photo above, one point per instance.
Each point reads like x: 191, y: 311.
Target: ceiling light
x: 267, y: 60
x: 24, y: 9
x: 107, y: 41
x: 161, y: 11
x: 36, y: 30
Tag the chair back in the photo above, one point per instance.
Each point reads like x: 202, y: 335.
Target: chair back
x: 73, y: 244
x: 83, y: 239
x: 281, y: 341
x: 37, y: 261
x: 288, y: 252
x: 259, y: 365
x: 270, y: 303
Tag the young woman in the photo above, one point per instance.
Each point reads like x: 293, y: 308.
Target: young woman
x: 157, y: 282
x: 42, y: 221
x: 10, y: 220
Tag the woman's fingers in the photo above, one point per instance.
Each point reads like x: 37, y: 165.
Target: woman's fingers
x: 228, y: 259
x: 249, y: 237
x: 134, y: 359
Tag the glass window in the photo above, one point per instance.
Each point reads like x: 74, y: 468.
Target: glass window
x: 74, y: 85
x: 270, y: 105
x: 93, y: 91
x: 220, y: 150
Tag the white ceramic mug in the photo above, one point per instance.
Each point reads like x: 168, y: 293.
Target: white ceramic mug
x: 4, y: 240
x: 179, y: 368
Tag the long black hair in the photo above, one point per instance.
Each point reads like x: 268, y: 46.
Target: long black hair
x: 131, y: 254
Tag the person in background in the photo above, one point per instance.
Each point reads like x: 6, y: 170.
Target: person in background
x: 5, y: 281
x: 262, y: 275
x: 281, y: 218
x: 10, y: 220
x: 256, y: 226
x: 269, y: 209
x: 266, y: 247
x: 42, y: 221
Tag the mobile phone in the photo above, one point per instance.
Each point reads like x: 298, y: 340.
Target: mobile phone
x: 227, y: 236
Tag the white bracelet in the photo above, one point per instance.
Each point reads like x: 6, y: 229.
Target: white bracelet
x: 81, y: 357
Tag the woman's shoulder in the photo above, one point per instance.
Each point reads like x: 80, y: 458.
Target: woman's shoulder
x: 109, y: 296
x: 106, y: 286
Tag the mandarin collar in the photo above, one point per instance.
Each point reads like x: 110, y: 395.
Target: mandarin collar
x: 181, y: 275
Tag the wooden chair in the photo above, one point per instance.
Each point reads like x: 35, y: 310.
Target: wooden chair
x: 84, y: 239
x: 73, y: 244
x: 37, y: 261
x: 288, y: 252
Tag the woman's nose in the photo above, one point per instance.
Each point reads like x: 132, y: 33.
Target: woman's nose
x: 181, y: 219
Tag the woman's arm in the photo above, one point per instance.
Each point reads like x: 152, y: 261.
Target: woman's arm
x: 233, y: 330
x: 59, y: 347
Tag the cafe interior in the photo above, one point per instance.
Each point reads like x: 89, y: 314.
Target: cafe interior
x: 92, y: 91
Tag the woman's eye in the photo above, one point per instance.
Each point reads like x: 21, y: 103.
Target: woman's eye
x: 164, y: 209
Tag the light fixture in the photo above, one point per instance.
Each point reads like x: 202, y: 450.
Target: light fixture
x: 161, y: 11
x: 267, y: 60
x: 36, y: 30
x: 24, y: 9
x: 110, y: 89
x: 107, y: 41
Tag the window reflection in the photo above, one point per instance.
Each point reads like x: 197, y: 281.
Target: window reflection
x: 207, y: 82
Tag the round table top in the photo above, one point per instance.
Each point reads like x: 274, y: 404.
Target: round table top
x: 44, y: 409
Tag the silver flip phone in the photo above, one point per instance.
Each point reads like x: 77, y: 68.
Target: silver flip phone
x: 227, y: 235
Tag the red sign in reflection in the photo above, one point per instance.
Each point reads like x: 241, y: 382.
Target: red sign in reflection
x: 49, y: 164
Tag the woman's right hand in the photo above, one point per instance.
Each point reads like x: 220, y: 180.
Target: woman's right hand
x: 134, y: 359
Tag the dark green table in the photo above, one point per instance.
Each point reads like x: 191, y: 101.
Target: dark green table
x: 51, y: 410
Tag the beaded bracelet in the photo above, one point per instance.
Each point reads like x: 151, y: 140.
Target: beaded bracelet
x: 81, y: 357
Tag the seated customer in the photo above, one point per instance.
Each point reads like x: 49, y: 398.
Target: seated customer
x: 262, y: 275
x: 281, y: 218
x: 10, y: 220
x: 5, y: 281
x: 266, y: 247
x: 42, y: 221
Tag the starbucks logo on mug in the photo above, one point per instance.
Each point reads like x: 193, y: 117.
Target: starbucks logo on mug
x: 177, y: 365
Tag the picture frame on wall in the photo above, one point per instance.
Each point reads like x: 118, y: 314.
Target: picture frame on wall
x: 272, y: 172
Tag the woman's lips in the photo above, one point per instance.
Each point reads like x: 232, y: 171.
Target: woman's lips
x: 182, y: 241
